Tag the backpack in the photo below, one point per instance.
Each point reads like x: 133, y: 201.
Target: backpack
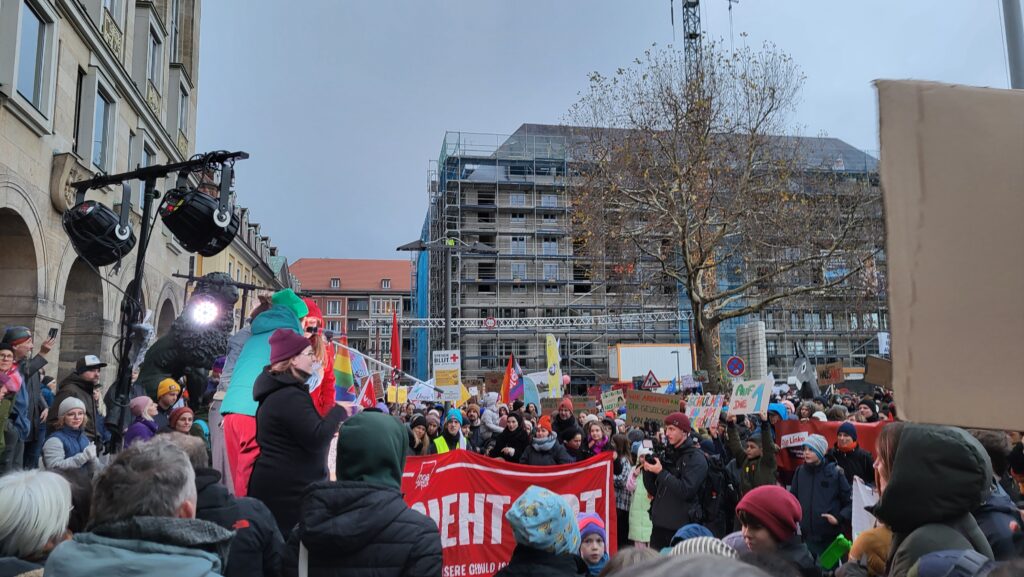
x: 718, y: 497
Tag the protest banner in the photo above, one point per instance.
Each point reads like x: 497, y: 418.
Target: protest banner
x: 937, y: 141
x: 751, y: 397
x: 867, y: 437
x: 643, y: 406
x: 467, y: 496
x: 830, y: 374
x: 704, y: 410
x: 612, y: 400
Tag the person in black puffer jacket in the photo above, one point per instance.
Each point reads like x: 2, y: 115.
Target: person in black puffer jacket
x: 257, y: 545
x: 359, y: 525
x: 510, y: 443
x: 545, y: 448
x: 293, y: 438
x: 853, y: 460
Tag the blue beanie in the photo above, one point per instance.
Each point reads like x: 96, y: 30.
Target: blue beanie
x: 454, y: 414
x: 690, y: 531
x: 848, y: 428
x: 543, y: 520
x: 818, y: 445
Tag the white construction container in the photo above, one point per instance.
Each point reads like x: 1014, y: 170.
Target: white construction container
x: 626, y: 361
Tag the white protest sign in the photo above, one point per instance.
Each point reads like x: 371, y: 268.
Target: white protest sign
x: 448, y: 374
x: 794, y: 439
x: 863, y: 496
x: 751, y: 397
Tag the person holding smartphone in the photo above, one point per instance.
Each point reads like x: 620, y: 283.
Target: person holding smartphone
x: 22, y: 439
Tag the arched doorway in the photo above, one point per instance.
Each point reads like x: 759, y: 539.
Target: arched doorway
x: 19, y: 289
x: 165, y: 319
x: 82, y: 333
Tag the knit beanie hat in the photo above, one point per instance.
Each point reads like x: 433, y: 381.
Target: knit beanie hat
x: 566, y: 404
x: 167, y: 386
x: 517, y: 405
x: 285, y: 344
x: 848, y: 428
x: 138, y: 405
x: 418, y: 421
x: 453, y: 414
x: 544, y: 422
x: 433, y: 420
x: 590, y: 419
x: 678, y: 420
x: 16, y: 335
x: 690, y: 531
x: 703, y: 546
x: 177, y: 414
x: 591, y: 524
x: 543, y: 520
x: 635, y: 447
x: 775, y: 508
x: 287, y: 298
x: 818, y: 444
x: 819, y: 415
x: 69, y: 404
x: 635, y: 436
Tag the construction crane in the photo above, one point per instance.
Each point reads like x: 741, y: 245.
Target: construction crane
x: 534, y: 322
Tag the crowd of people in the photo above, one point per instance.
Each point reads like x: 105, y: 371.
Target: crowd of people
x: 238, y: 483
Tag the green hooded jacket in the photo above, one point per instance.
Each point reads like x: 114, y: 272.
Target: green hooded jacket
x: 939, y: 475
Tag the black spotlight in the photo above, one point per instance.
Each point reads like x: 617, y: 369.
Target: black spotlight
x: 201, y: 223
x: 96, y: 233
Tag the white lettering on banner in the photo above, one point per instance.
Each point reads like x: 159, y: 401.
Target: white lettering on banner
x: 472, y: 511
x: 794, y: 439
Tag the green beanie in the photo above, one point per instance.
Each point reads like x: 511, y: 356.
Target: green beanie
x: 288, y: 298
x: 371, y: 449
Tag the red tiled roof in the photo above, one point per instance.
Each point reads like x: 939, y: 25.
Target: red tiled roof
x: 355, y: 274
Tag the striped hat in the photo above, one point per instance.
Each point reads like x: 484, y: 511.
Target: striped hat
x: 703, y: 546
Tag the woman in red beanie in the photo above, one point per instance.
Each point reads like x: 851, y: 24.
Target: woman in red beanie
x: 293, y: 438
x: 770, y: 516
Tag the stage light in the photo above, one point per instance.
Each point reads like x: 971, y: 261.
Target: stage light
x: 201, y: 223
x: 96, y: 233
x: 204, y: 312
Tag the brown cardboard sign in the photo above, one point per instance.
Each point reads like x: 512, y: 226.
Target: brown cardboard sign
x: 952, y: 175
x: 830, y: 374
x: 644, y: 406
x: 878, y: 372
x: 579, y: 403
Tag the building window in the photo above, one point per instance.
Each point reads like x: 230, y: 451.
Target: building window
x: 78, y: 117
x: 550, y: 270
x: 358, y: 305
x: 385, y: 283
x: 183, y: 111
x: 519, y: 270
x: 517, y: 245
x: 31, y: 53
x: 549, y: 201
x: 102, y: 129
x: 518, y: 288
x: 551, y: 288
x: 334, y: 326
x: 549, y: 246
x: 334, y: 307
x: 518, y: 218
x: 175, y: 28
x: 517, y: 199
x: 335, y: 283
x: 829, y: 322
x: 550, y: 219
x: 155, y: 62
x: 147, y: 158
x: 231, y: 268
x: 353, y: 325
x: 853, y: 321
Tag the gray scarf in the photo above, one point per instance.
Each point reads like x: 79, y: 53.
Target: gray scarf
x: 544, y: 445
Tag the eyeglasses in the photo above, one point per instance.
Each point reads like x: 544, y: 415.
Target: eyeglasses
x: 6, y: 357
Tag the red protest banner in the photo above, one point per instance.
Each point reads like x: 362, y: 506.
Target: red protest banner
x: 790, y: 435
x: 467, y: 495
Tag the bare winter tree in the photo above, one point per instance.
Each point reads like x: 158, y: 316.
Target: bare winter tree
x: 693, y: 177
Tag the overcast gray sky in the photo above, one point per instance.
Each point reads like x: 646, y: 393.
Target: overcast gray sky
x: 341, y: 104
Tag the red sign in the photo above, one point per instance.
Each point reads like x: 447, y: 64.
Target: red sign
x: 467, y: 495
x: 735, y: 366
x: 790, y: 434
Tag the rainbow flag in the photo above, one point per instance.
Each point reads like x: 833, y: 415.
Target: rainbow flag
x: 343, y: 376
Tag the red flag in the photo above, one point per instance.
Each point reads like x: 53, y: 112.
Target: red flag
x: 506, y: 381
x: 367, y: 396
x: 396, y: 345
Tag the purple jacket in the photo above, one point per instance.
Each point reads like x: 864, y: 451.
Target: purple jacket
x: 140, y: 430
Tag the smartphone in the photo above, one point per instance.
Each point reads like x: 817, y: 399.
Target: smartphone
x: 53, y: 332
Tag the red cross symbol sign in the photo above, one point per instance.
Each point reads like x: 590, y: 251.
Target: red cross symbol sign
x: 455, y: 358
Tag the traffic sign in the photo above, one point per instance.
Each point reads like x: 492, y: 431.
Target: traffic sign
x: 735, y: 366
x: 650, y: 382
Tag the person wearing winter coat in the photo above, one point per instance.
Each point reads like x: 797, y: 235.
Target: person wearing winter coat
x: 68, y: 447
x: 851, y: 458
x: 564, y: 419
x: 80, y: 385
x: 868, y: 410
x: 547, y: 537
x: 490, y: 415
x: 999, y: 513
x: 824, y: 494
x: 293, y: 439
x: 451, y: 437
x: 29, y: 406
x: 640, y: 506
x: 479, y: 435
x: 769, y: 517
x: 755, y: 459
x: 239, y: 405
x: 675, y: 480
x: 419, y: 442
x: 143, y: 427
x: 510, y: 443
x: 323, y: 393
x: 931, y: 478
x: 545, y: 449
x: 360, y: 524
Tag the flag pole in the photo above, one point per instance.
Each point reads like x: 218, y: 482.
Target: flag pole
x: 384, y: 365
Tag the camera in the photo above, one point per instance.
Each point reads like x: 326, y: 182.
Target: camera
x: 651, y: 459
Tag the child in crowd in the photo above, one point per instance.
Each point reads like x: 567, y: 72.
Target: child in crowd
x: 594, y: 546
x: 824, y: 494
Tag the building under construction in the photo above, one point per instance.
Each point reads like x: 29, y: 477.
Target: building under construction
x: 513, y: 194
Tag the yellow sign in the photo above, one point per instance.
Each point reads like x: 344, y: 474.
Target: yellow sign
x: 446, y: 377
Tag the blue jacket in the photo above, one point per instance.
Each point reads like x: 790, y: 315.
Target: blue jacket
x: 254, y: 356
x: 821, y: 489
x: 994, y: 518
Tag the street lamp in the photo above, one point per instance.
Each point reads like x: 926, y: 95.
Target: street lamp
x: 448, y: 245
x: 679, y: 374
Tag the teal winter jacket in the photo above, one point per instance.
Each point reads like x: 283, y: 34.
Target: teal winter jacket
x: 254, y: 356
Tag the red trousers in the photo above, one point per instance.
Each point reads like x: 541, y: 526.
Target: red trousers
x: 240, y: 442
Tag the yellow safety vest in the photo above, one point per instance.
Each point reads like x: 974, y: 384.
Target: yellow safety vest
x: 442, y: 445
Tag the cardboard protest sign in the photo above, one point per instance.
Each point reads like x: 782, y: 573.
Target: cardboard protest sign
x: 704, y: 410
x: 612, y: 400
x: 830, y: 374
x: 751, y: 397
x: 579, y: 403
x: 642, y: 406
x: 863, y: 496
x: 878, y: 372
x: 951, y: 161
x: 467, y: 496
